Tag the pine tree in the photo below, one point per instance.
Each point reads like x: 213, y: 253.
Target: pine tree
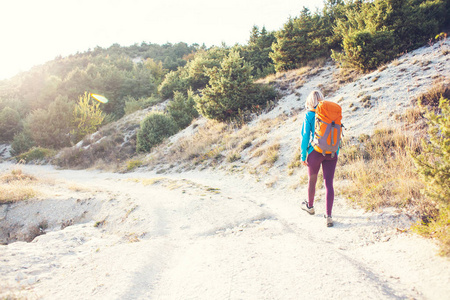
x: 434, y: 161
x: 230, y: 89
x: 301, y: 40
x: 182, y: 109
x: 258, y: 51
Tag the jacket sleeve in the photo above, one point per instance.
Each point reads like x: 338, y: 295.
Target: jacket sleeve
x: 306, y: 137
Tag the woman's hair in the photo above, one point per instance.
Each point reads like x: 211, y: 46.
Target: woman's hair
x: 313, y: 99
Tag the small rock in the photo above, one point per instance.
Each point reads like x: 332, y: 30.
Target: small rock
x: 20, y: 276
x: 32, y: 280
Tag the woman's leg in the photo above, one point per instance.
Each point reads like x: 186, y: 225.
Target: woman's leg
x: 328, y: 168
x: 314, y: 160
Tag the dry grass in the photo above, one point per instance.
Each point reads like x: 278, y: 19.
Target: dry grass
x: 412, y: 116
x: 213, y: 143
x: 365, y: 101
x: 440, y: 88
x: 270, y: 154
x: 16, y: 186
x: 295, y: 162
x: 346, y: 75
x: 382, y: 173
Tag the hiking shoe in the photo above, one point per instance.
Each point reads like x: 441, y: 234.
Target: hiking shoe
x: 329, y: 221
x: 305, y: 207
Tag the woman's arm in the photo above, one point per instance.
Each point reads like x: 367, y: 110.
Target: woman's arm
x: 306, y: 136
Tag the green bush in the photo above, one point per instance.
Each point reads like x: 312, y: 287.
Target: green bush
x: 434, y: 165
x: 10, y: 123
x: 182, y: 109
x: 431, y: 98
x: 36, y: 154
x: 50, y: 128
x: 154, y: 129
x: 434, y: 161
x: 21, y: 143
x: 87, y: 117
x: 133, y: 164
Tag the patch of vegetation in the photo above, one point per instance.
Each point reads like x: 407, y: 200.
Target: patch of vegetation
x: 36, y: 154
x: 182, y: 109
x: 133, y: 164
x: 381, y: 171
x: 271, y: 154
x: 365, y: 101
x: 433, y: 164
x: 431, y: 98
x: 16, y: 186
x: 154, y: 129
x: 232, y: 91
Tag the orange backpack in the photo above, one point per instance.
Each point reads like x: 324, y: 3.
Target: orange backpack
x: 328, y: 128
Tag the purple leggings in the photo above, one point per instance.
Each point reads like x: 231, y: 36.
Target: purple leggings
x: 314, y: 160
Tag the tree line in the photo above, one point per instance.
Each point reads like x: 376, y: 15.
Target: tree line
x: 217, y: 82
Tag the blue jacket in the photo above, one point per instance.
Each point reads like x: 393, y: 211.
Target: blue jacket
x: 308, y: 134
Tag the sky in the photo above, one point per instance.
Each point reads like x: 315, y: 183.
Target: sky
x: 33, y: 32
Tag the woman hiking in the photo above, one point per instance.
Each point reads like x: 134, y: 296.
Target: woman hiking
x: 313, y: 159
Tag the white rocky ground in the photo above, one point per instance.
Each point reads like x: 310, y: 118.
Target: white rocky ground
x: 214, y: 235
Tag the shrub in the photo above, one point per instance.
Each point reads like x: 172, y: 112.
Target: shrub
x: 434, y: 161
x: 72, y: 157
x: 433, y: 164
x: 154, y: 129
x: 437, y: 228
x: 432, y: 97
x: 233, y: 156
x: 51, y: 128
x: 36, y: 154
x: 87, y: 117
x: 271, y: 154
x: 182, y: 109
x: 22, y: 142
x: 9, y: 123
x: 133, y: 164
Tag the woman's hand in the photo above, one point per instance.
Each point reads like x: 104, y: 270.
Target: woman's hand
x: 304, y: 163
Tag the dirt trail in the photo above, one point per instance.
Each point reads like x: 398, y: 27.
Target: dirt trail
x: 204, y: 235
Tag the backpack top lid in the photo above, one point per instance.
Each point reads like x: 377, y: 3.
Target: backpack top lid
x: 328, y: 112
